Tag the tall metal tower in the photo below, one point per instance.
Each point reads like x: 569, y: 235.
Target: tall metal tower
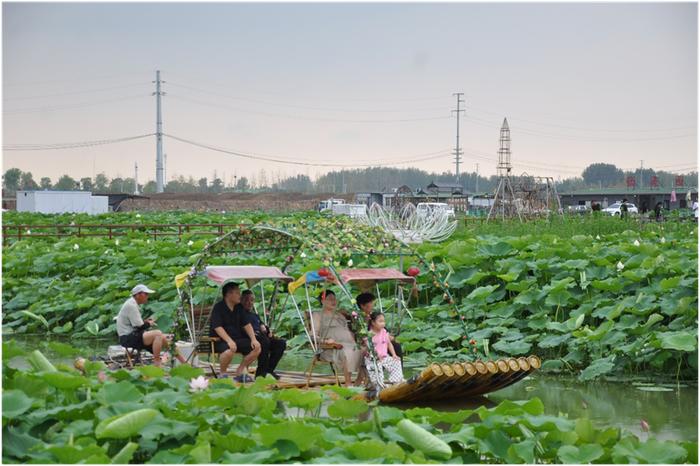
x: 458, y: 151
x: 504, y: 203
x: 159, y: 135
x: 136, y: 178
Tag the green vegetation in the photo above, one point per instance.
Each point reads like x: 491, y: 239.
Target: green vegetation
x: 596, y: 296
x: 139, y: 416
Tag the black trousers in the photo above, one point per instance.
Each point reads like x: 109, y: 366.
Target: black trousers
x: 271, y: 351
x: 398, y: 349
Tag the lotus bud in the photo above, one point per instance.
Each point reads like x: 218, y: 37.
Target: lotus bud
x: 462, y: 317
x: 350, y: 263
x: 636, y: 243
x: 663, y: 240
x: 116, y: 241
x: 644, y: 425
x: 138, y: 215
x: 190, y: 243
x: 620, y: 266
x: 597, y: 236
x: 101, y: 376
x: 445, y: 296
x: 76, y: 247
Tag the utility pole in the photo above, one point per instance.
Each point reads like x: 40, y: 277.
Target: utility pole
x: 477, y: 179
x: 136, y: 178
x: 458, y: 151
x: 165, y: 173
x: 159, y: 135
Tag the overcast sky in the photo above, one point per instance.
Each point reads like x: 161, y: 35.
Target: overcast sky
x: 350, y: 84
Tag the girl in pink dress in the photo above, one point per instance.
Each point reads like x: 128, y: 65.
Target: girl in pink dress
x: 386, y: 356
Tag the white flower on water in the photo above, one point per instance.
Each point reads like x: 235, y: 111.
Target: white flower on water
x: 636, y: 242
x: 76, y: 247
x: 620, y: 265
x: 663, y: 240
x: 350, y: 263
x: 190, y: 243
x: 597, y: 236
x: 302, y: 255
x: 199, y: 384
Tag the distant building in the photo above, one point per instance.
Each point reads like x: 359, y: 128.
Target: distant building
x: 59, y: 202
x: 445, y: 188
x: 644, y: 198
x: 449, y: 193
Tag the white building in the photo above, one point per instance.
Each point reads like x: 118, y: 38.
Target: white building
x: 58, y: 202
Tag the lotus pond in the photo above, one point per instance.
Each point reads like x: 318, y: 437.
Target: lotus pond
x: 610, y: 307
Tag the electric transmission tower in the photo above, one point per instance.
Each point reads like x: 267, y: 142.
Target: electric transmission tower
x: 504, y: 203
x: 458, y: 151
x: 159, y: 135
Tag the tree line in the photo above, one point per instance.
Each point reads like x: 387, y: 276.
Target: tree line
x: 373, y: 179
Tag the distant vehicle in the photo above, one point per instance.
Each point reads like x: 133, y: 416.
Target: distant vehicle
x: 426, y: 208
x: 352, y: 210
x: 328, y: 204
x: 614, y: 209
x: 579, y: 209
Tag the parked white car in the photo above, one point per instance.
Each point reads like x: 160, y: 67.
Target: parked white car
x: 424, y: 208
x: 614, y: 209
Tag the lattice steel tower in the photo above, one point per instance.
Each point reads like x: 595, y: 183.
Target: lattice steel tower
x: 504, y: 204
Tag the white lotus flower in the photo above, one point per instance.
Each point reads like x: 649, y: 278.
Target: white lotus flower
x: 620, y: 265
x: 148, y: 241
x: 597, y: 236
x: 350, y: 263
x: 29, y: 232
x: 199, y: 384
x: 116, y: 241
x: 636, y: 242
x: 138, y: 215
x: 302, y: 255
x: 190, y: 243
x: 76, y: 247
x: 663, y: 240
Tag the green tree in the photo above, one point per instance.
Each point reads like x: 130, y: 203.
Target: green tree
x: 602, y: 174
x: 66, y: 183
x: 27, y: 182
x: 217, y: 185
x: 117, y: 185
x: 203, y: 185
x: 242, y: 184
x: 150, y: 187
x: 45, y: 183
x: 11, y: 179
x: 86, y: 184
x: 101, y: 183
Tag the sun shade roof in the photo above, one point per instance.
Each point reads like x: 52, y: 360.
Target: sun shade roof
x: 251, y: 273
x: 356, y: 275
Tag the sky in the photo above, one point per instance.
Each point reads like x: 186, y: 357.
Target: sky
x: 351, y: 84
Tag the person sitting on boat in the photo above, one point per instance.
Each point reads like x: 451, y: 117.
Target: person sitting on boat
x: 132, y: 329
x: 386, y: 357
x: 229, y: 322
x: 365, y: 301
x: 271, y: 347
x: 332, y: 329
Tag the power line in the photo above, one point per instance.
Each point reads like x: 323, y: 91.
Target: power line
x: 297, y: 117
x: 71, y: 107
x: 87, y: 91
x: 71, y: 145
x: 294, y: 162
x: 578, y: 128
x: 303, y: 107
x: 525, y: 131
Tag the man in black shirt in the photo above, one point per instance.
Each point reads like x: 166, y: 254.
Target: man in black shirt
x: 230, y: 323
x: 272, y: 347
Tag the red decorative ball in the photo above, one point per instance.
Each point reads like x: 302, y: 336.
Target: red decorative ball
x: 413, y: 271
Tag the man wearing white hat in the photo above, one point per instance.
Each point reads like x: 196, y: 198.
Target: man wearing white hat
x: 132, y: 329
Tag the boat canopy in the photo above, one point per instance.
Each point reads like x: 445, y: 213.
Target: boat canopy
x: 374, y: 275
x: 250, y: 273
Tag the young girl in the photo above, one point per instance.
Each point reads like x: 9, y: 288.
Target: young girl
x: 386, y: 356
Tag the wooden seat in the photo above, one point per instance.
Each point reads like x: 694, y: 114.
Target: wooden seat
x: 317, y: 360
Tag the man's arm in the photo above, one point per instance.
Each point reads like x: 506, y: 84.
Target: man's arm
x: 225, y: 337
x: 134, y: 317
x: 248, y: 329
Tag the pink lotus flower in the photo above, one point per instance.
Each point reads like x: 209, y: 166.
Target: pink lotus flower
x: 354, y: 314
x: 199, y: 384
x: 645, y: 425
x: 165, y: 357
x: 101, y: 376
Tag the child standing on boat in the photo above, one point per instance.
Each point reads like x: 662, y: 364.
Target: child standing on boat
x: 386, y: 355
